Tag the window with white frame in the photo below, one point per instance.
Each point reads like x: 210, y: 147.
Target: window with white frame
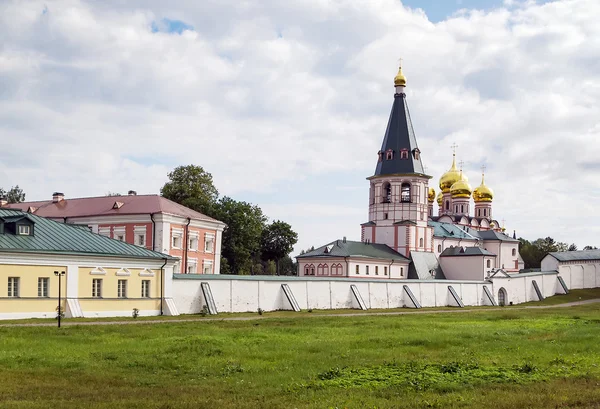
x: 104, y: 231
x: 207, y: 267
x: 385, y: 270
x: 367, y: 270
x: 43, y: 284
x: 376, y: 270
x: 145, y: 288
x: 192, y: 266
x: 176, y: 238
x: 24, y: 230
x: 193, y: 242
x: 209, y: 243
x: 13, y: 286
x: 139, y: 234
x: 122, y: 288
x: 119, y: 233
x: 97, y: 288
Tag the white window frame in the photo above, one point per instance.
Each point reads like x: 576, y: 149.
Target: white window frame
x: 24, y: 230
x: 43, y: 287
x: 98, y: 271
x: 97, y: 288
x: 119, y: 232
x: 209, y: 238
x: 193, y: 240
x: 146, y: 273
x: 14, y: 287
x: 122, y: 288
x: 123, y: 272
x: 146, y: 288
x: 192, y: 266
x: 104, y: 231
x: 177, y: 234
x: 207, y: 264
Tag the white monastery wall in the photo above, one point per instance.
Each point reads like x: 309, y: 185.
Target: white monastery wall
x: 465, y: 267
x: 580, y: 274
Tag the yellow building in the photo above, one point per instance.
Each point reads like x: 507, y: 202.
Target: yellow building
x: 102, y: 277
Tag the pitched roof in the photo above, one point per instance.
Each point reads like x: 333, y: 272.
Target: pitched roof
x: 54, y: 237
x: 399, y: 135
x: 576, y: 255
x: 465, y: 251
x: 449, y: 230
x: 339, y: 248
x: 423, y: 265
x: 105, y: 206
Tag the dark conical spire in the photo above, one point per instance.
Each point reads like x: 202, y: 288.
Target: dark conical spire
x: 399, y: 152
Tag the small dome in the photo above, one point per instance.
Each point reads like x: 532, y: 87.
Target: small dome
x: 450, y: 178
x: 440, y: 199
x: 483, y: 193
x: 431, y: 195
x: 461, y: 188
x: 400, y: 79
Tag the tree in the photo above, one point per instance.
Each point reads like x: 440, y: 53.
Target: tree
x: 14, y: 195
x: 193, y: 187
x: 573, y: 247
x: 590, y: 248
x: 242, y: 236
x: 287, y: 266
x: 278, y: 240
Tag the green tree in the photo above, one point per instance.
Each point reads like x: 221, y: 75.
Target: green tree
x: 278, y: 241
x: 14, y: 195
x: 191, y: 186
x: 590, y: 248
x: 572, y: 247
x: 242, y: 236
x: 287, y: 266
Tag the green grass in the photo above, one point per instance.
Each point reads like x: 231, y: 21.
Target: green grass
x: 573, y: 296
x: 504, y: 358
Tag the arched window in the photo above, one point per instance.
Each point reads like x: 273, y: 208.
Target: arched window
x: 306, y: 270
x: 389, y: 154
x: 405, y: 193
x: 439, y: 248
x: 421, y: 242
x: 379, y: 156
x: 404, y: 154
x: 514, y: 252
x: 489, y: 263
x: 387, y: 192
x: 447, y: 204
x: 462, y: 208
x: 485, y: 212
x: 325, y: 270
x: 416, y: 153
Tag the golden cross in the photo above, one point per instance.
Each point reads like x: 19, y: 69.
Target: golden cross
x: 461, y: 163
x: 400, y: 62
x: 483, y: 168
x: 454, y: 146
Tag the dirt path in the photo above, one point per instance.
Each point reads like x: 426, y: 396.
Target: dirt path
x: 163, y: 321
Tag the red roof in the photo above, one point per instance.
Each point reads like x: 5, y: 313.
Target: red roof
x: 109, y: 206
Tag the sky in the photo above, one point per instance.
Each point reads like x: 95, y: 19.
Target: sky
x: 286, y: 103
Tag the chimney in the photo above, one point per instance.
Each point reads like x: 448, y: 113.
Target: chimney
x: 344, y: 239
x: 132, y: 193
x: 58, y: 197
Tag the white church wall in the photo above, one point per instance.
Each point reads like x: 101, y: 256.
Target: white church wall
x: 463, y: 267
x: 549, y: 263
x: 580, y: 275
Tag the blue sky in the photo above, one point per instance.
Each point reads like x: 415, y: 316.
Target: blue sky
x: 286, y: 103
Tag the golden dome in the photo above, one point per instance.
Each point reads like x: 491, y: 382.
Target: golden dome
x: 461, y: 188
x: 440, y: 199
x: 451, y: 177
x: 483, y: 193
x: 431, y: 195
x: 400, y: 79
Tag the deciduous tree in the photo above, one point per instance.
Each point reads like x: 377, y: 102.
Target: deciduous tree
x: 192, y: 187
x: 14, y: 195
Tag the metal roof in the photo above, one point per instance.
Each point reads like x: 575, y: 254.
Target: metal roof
x: 450, y: 230
x: 54, y: 237
x: 422, y: 266
x: 399, y: 135
x: 340, y: 248
x: 465, y: 251
x: 576, y: 255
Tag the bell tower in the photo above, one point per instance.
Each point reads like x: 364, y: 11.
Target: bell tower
x: 398, y: 194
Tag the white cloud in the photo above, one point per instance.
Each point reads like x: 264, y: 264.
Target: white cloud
x: 265, y: 94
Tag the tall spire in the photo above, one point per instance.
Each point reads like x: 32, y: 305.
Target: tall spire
x: 399, y: 154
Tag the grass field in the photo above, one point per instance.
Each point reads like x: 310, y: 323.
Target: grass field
x: 508, y: 358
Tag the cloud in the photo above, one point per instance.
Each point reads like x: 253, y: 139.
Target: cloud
x: 109, y: 96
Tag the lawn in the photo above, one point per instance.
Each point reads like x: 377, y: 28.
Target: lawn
x: 504, y: 358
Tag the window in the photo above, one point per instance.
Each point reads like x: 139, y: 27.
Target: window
x: 193, y: 243
x: 120, y: 237
x: 97, y: 288
x: 207, y: 267
x: 379, y: 156
x: 387, y: 193
x: 140, y: 239
x: 367, y: 270
x: 514, y: 252
x: 376, y: 270
x: 416, y: 153
x: 405, y: 193
x: 191, y: 267
x: 404, y: 154
x: 336, y: 269
x: 385, y: 216
x: 312, y: 271
x: 43, y: 283
x: 439, y: 248
x: 462, y: 208
x: 389, y: 154
x: 385, y: 270
x: 421, y: 242
x: 306, y: 270
x: 209, y: 243
x: 104, y: 231
x: 176, y: 242
x: 145, y: 288
x: 13, y: 286
x: 489, y: 263
x: 24, y: 230
x: 122, y: 289
x: 401, y: 271
x: 357, y: 269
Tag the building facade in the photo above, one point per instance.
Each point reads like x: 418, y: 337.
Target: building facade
x: 149, y: 221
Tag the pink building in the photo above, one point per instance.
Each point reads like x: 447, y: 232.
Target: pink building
x: 149, y: 221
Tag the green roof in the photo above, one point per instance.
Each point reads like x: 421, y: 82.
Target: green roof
x: 341, y: 248
x: 54, y: 237
x: 580, y: 255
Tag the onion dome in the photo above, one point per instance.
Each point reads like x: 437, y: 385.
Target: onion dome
x: 440, y: 199
x: 483, y: 193
x: 431, y: 195
x: 451, y: 177
x: 461, y: 188
x: 400, y: 79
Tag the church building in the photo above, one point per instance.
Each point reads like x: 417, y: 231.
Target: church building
x: 403, y: 230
